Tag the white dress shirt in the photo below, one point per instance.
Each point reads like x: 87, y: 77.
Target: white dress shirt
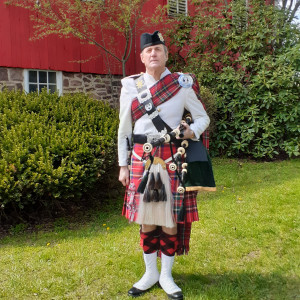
x: 170, y: 111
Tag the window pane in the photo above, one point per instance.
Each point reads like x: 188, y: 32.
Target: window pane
x: 42, y: 77
x: 52, y: 77
x: 182, y: 7
x: 32, y: 87
x: 172, y: 7
x: 42, y: 86
x: 32, y: 76
x: 52, y: 88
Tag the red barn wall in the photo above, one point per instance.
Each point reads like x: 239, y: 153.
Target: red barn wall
x: 54, y: 53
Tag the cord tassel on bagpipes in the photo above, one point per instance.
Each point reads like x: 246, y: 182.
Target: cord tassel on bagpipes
x: 181, y: 188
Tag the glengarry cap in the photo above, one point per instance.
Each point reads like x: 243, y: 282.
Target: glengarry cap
x: 148, y: 39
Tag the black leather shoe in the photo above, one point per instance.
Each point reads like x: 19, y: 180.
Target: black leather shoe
x: 134, y: 292
x: 176, y: 296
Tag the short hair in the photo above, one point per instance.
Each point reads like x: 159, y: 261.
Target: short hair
x: 166, y: 49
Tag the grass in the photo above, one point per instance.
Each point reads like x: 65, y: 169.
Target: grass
x: 246, y: 245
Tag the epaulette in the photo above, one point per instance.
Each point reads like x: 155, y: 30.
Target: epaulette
x: 134, y: 76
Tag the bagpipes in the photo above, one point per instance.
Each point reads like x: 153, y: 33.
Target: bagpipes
x: 196, y: 168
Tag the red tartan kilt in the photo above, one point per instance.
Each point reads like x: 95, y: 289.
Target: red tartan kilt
x: 132, y: 197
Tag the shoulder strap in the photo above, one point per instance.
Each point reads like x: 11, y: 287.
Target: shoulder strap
x: 161, y: 91
x: 145, y: 98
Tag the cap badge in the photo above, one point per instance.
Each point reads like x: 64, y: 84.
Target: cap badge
x: 160, y: 37
x: 185, y: 80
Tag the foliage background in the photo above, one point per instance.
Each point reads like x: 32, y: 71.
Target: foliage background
x: 249, y: 58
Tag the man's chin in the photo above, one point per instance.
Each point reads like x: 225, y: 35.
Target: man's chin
x: 156, y: 65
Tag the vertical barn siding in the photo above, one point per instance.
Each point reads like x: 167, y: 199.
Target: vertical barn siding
x: 55, y: 53
x: 5, y: 41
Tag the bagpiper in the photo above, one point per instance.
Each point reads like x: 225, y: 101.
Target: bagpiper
x: 163, y: 159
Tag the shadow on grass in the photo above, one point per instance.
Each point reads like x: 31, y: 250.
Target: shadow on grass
x: 91, y: 223
x: 242, y: 285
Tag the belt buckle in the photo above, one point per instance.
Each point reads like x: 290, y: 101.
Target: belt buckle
x: 151, y: 137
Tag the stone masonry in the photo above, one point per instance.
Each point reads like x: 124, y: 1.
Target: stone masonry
x: 100, y: 87
x: 11, y: 78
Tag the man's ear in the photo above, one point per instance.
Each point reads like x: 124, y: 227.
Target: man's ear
x: 142, y: 57
x: 167, y: 56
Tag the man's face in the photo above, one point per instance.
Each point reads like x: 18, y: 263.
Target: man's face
x: 154, y: 57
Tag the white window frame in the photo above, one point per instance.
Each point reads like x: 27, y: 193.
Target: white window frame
x: 59, y: 81
x: 179, y: 4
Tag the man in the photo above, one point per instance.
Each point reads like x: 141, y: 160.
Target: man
x: 153, y: 104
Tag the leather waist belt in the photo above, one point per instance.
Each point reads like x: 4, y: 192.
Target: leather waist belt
x: 140, y: 138
x: 143, y: 138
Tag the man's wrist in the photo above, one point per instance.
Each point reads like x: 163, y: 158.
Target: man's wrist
x: 193, y: 135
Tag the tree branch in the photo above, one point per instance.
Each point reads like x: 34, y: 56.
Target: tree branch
x: 290, y: 6
x: 293, y: 12
x: 76, y: 32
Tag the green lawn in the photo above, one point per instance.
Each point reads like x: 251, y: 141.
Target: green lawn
x: 246, y: 245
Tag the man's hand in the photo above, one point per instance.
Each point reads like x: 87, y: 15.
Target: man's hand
x: 188, y: 132
x: 124, y: 175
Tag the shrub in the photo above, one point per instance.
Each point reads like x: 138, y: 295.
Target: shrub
x: 248, y: 55
x: 52, y: 149
x: 209, y: 100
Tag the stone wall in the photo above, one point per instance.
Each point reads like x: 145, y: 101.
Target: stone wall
x: 11, y: 78
x: 100, y: 87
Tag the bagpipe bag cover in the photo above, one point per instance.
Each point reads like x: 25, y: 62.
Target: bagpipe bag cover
x: 199, y: 170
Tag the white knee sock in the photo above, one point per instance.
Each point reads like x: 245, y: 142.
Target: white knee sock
x: 151, y: 275
x: 166, y: 280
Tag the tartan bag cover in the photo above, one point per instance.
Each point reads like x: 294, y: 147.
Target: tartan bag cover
x: 164, y: 90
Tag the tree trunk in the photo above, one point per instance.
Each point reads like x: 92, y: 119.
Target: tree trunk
x: 124, y: 67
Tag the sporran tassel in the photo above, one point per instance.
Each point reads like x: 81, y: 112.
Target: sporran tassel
x: 143, y: 183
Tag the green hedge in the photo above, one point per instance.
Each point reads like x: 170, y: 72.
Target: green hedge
x: 52, y: 149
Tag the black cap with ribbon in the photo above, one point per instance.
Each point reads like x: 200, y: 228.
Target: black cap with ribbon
x: 148, y: 39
